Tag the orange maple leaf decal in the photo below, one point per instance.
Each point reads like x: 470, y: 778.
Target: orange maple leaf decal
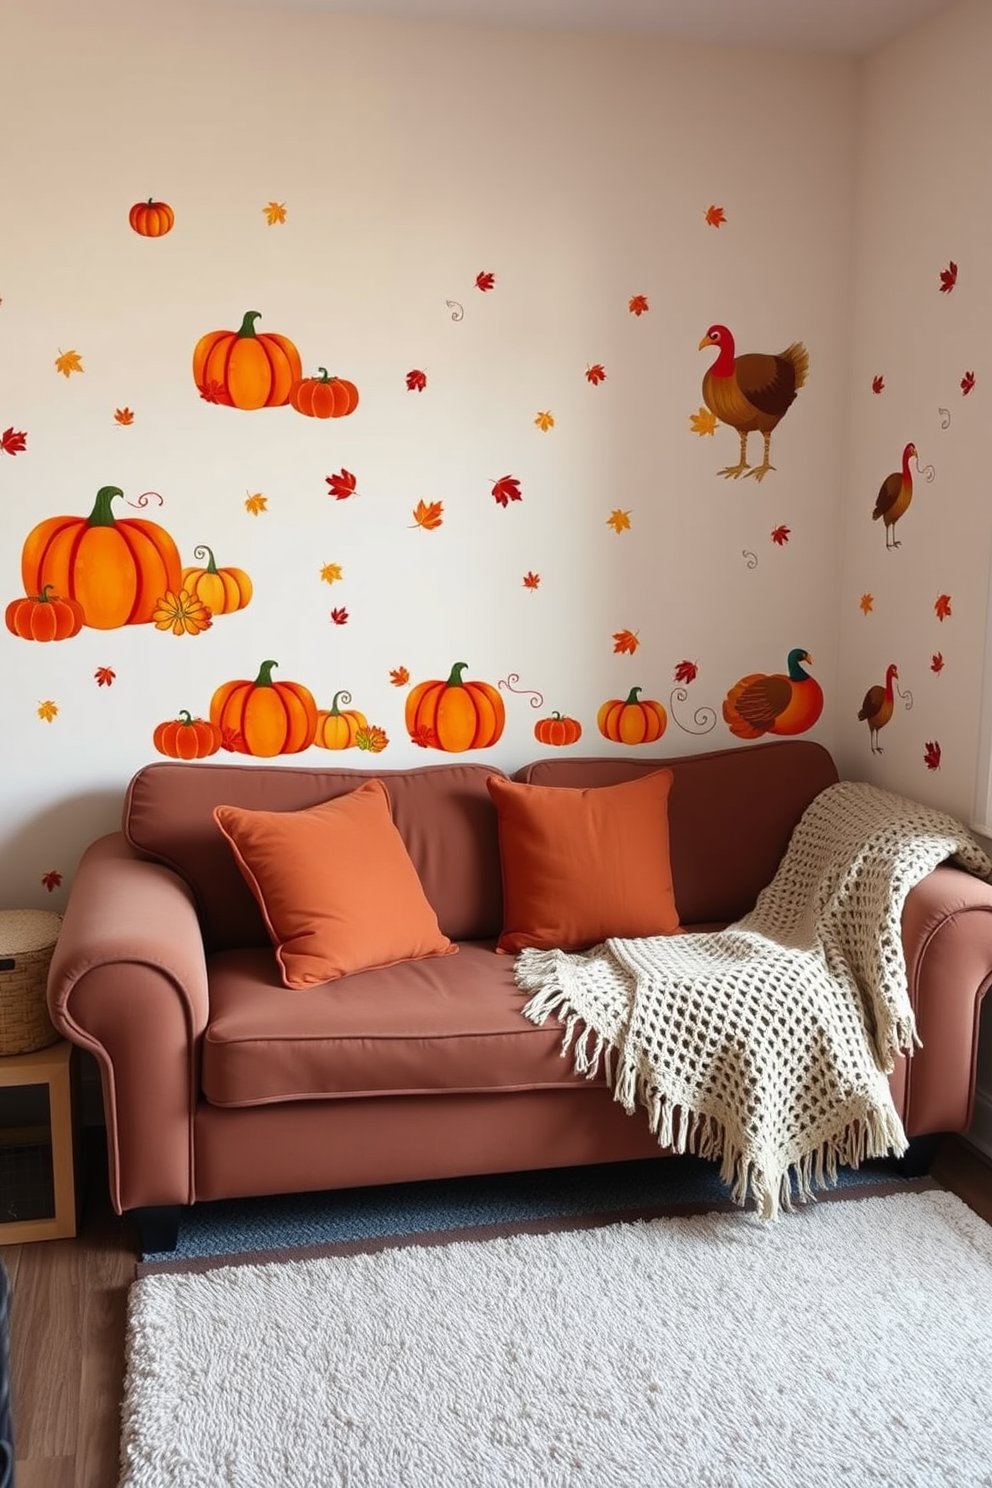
x: 342, y: 485
x: 339, y: 616
x: 215, y: 392
x: 416, y: 381
x: 485, y: 281
x: 506, y: 489
x: 105, y: 676
x: 532, y: 580
x: 545, y: 421
x: 123, y: 416
x: 331, y: 572
x: 942, y: 606
x: 866, y: 603
x: 878, y: 383
x: 47, y: 711
x: 625, y: 641
x: 68, y: 362
x: 52, y: 879
x: 931, y: 755
x: 638, y: 304
x: 274, y: 212
x: 424, y: 737
x: 372, y: 738
x: 399, y: 676
x: 780, y: 535
x: 937, y: 662
x: 12, y: 442
x: 967, y: 383
x: 948, y: 277
x: 428, y: 515
x: 619, y: 520
x: 686, y: 671
x: 256, y: 503
x: 703, y: 422
x: 715, y: 216
x: 596, y: 374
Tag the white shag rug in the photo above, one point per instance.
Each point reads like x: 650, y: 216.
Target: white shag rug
x: 849, y: 1344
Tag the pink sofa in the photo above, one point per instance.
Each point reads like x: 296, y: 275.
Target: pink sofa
x: 219, y: 1082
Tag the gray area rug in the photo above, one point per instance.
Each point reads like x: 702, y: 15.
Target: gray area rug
x: 848, y: 1343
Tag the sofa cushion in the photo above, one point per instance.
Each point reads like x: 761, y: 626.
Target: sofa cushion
x: 582, y: 865
x: 335, y: 885
x: 453, y: 1023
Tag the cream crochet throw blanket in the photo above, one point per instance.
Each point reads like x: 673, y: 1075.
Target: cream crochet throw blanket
x: 768, y: 1045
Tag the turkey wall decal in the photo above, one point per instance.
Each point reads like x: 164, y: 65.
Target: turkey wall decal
x: 751, y: 393
x: 876, y: 709
x: 787, y: 702
x: 894, y: 495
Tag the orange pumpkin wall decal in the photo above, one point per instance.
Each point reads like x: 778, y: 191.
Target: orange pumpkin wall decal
x: 115, y: 570
x: 324, y: 397
x: 338, y: 728
x: 246, y: 368
x: 151, y: 219
x: 187, y: 738
x: 265, y: 717
x: 220, y: 589
x: 454, y: 715
x: 44, y: 617
x: 632, y: 720
x: 557, y: 730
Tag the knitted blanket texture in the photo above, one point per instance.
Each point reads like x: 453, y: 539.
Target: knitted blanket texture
x: 768, y: 1045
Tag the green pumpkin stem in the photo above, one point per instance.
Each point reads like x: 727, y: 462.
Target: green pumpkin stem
x: 456, y: 679
x: 633, y: 698
x: 44, y: 597
x: 324, y: 377
x: 264, y: 678
x: 199, y: 551
x: 334, y: 710
x: 101, y: 515
x: 248, y: 324
x: 184, y: 716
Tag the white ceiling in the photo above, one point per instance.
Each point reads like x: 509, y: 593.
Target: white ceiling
x: 847, y: 27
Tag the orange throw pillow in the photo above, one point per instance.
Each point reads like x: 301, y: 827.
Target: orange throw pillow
x: 336, y: 886
x: 580, y: 866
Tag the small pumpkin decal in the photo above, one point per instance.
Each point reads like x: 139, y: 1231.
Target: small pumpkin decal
x: 115, y: 570
x: 324, y: 397
x: 246, y: 368
x: 632, y: 720
x: 557, y: 730
x: 454, y: 715
x: 187, y: 738
x: 339, y: 728
x: 266, y: 717
x: 151, y: 219
x: 44, y: 617
x: 222, y: 590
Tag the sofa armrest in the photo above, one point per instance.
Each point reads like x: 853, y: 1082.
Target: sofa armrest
x: 947, y: 939
x: 128, y: 982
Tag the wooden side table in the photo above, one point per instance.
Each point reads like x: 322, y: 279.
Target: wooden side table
x: 38, y: 1197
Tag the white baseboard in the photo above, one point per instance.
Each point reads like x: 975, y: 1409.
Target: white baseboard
x: 979, y: 1133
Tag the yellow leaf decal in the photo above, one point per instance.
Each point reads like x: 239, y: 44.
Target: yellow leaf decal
x: 331, y: 572
x: 372, y: 738
x: 619, y: 520
x: 274, y: 212
x: 257, y: 503
x: 123, y: 416
x: 428, y: 515
x: 866, y: 603
x: 545, y: 421
x: 702, y: 422
x: 48, y: 710
x: 68, y: 362
x: 181, y: 613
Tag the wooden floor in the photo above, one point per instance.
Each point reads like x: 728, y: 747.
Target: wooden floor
x: 68, y: 1310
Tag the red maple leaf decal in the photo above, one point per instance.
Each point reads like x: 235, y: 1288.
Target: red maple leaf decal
x: 105, y: 676
x: 233, y: 740
x: 625, y: 642
x: 948, y: 277
x: 506, y: 489
x: 878, y: 384
x: 424, y: 737
x: 416, y: 381
x: 638, y: 304
x: 12, y: 441
x: 340, y: 615
x: 52, y: 879
x: 931, y: 755
x: 341, y: 485
x: 780, y: 535
x: 485, y: 281
x: 967, y: 383
x: 595, y: 374
x: 214, y: 392
x: 686, y: 671
x: 942, y: 606
x: 532, y: 580
x: 937, y: 662
x: 715, y: 216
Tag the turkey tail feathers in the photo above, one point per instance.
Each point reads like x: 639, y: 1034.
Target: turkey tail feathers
x: 799, y: 357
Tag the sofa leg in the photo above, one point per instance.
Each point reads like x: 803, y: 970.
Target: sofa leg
x: 918, y: 1158
x: 158, y: 1226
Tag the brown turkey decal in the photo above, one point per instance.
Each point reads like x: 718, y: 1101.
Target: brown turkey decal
x: 894, y: 495
x: 751, y: 393
x: 876, y: 710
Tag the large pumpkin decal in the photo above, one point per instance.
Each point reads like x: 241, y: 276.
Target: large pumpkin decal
x: 115, y: 570
x: 265, y: 717
x: 454, y: 715
x: 338, y: 728
x: 324, y: 397
x: 44, y: 617
x: 151, y: 219
x: 632, y: 720
x: 220, y: 589
x: 246, y: 368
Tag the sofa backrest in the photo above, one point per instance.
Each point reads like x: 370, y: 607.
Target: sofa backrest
x: 443, y: 812
x: 731, y: 814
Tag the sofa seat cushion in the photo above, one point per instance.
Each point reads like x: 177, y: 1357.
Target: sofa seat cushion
x: 453, y: 1023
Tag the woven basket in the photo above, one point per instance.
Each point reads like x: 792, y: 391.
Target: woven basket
x: 27, y: 940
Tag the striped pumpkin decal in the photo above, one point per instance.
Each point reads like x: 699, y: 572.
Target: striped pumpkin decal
x: 245, y: 368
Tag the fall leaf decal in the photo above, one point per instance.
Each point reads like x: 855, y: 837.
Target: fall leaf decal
x: 214, y: 392
x: 181, y: 613
x: 545, y: 421
x: 942, y: 606
x: 372, y: 738
x: 256, y: 503
x: 532, y: 581
x: 702, y: 422
x: 625, y: 641
x: 48, y: 710
x: 931, y: 755
x: 866, y: 603
x: 12, y: 442
x: 878, y: 384
x: 596, y: 374
x: 105, y: 676
x: 342, y: 485
x: 937, y: 662
x: 780, y: 535
x: 619, y: 520
x: 715, y: 216
x: 506, y: 489
x: 399, y: 676
x: 233, y: 740
x: 123, y: 416
x: 948, y: 277
x: 331, y: 572
x: 339, y: 616
x: 428, y: 515
x: 274, y: 212
x: 967, y: 383
x: 52, y: 879
x: 416, y: 381
x: 68, y: 362
x: 638, y: 304
x: 485, y: 281
x: 686, y: 671
x: 425, y: 737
